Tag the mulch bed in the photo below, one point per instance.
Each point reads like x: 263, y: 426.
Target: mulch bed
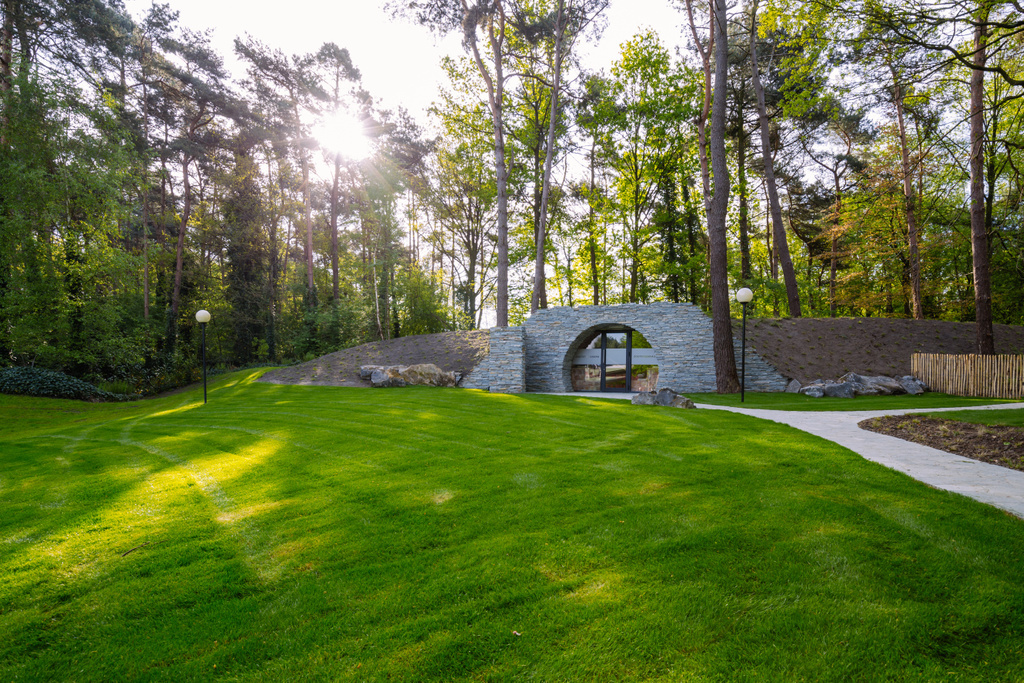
x: 457, y: 352
x: 995, y: 444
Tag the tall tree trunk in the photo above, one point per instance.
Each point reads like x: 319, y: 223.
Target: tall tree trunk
x: 702, y: 120
x: 549, y: 153
x: 834, y: 256
x: 691, y: 239
x: 186, y: 211
x: 6, y: 58
x: 594, y: 274
x: 979, y: 234
x: 741, y: 176
x: 308, y: 215
x: 334, y: 228
x: 779, y: 230
x: 909, y: 200
x: 496, y: 101
x: 725, y: 358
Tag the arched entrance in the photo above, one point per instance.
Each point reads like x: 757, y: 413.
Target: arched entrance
x: 614, y: 358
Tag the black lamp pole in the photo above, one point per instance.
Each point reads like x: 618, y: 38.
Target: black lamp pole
x: 743, y: 357
x: 744, y: 296
x: 203, y: 317
x: 202, y: 326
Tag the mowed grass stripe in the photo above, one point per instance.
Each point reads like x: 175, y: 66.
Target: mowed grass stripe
x: 620, y: 542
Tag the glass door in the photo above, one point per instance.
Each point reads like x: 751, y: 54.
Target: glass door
x: 615, y: 365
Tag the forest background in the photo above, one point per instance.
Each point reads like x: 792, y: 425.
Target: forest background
x: 839, y: 158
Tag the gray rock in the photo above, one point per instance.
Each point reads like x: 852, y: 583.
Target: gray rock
x: 912, y: 385
x: 366, y: 371
x: 841, y: 390
x: 873, y: 386
x: 384, y: 378
x: 664, y: 397
x: 793, y: 387
x: 813, y: 390
x: 644, y: 398
x: 682, y: 402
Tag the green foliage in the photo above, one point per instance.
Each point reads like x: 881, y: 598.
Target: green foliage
x: 422, y: 302
x: 29, y: 381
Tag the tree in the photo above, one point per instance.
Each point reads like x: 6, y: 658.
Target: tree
x: 299, y: 92
x: 725, y: 358
x: 489, y: 17
x: 564, y: 26
x: 197, y: 90
x: 247, y: 290
x: 778, y: 229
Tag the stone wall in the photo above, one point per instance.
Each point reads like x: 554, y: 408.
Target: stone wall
x: 504, y: 368
x: 538, y: 356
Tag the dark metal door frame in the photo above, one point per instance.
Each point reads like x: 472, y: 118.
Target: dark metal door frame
x: 629, y: 360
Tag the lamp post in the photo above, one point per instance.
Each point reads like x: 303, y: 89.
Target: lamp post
x: 744, y: 296
x: 203, y: 317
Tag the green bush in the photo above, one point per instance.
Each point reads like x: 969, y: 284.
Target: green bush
x: 116, y: 386
x: 50, y: 384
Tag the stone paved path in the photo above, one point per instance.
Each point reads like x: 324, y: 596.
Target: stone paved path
x: 998, y: 486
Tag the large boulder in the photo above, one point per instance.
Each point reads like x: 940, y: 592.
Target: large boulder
x: 841, y: 390
x: 873, y: 386
x: 912, y: 385
x: 664, y: 397
x: 793, y: 387
x: 813, y: 390
x: 383, y: 378
x: 427, y: 374
x: 851, y: 384
x: 366, y: 371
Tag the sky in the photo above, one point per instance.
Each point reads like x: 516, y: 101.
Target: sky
x: 399, y: 60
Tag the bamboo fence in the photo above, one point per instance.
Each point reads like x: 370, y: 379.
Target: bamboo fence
x: 971, y: 375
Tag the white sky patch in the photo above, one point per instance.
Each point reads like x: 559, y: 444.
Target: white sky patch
x: 399, y: 60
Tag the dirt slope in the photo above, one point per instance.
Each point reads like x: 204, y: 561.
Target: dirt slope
x: 804, y: 349
x: 458, y: 352
x: 827, y: 348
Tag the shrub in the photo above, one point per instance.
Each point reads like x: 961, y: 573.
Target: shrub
x: 49, y: 384
x: 116, y: 386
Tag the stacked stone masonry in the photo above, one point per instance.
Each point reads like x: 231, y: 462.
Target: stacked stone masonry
x: 504, y: 369
x: 538, y: 356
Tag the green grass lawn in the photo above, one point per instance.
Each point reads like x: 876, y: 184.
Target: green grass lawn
x: 316, y: 533
x: 784, y: 401
x: 1011, y: 418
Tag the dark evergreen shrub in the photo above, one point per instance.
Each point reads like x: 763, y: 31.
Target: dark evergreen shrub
x: 50, y: 384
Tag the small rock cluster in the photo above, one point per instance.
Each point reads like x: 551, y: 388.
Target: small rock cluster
x: 401, y: 375
x: 664, y: 397
x: 851, y: 384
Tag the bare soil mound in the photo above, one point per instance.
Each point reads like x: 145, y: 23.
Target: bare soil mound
x: 457, y: 352
x: 827, y: 348
x: 995, y: 444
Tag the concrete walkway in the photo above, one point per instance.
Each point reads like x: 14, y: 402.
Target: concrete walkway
x: 998, y: 486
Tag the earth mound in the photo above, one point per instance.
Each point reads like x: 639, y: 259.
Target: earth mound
x: 827, y: 348
x: 457, y: 352
x: 801, y: 348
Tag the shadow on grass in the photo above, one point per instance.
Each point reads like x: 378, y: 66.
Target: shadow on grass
x: 431, y: 534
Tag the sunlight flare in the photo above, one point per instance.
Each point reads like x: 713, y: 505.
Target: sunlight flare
x: 341, y: 133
